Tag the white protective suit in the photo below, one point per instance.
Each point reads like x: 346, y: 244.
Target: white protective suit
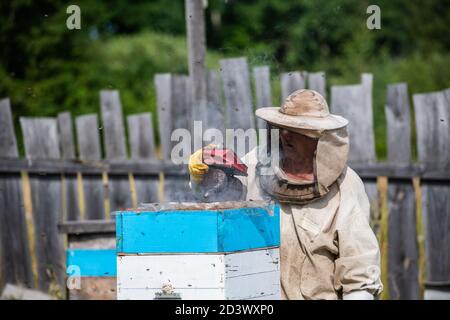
x: 328, y: 249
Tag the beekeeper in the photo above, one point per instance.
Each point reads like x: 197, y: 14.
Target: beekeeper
x: 328, y: 249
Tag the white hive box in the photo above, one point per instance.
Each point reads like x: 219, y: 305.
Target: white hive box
x: 226, y: 251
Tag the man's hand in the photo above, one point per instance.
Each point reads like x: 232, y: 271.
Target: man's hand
x: 197, y: 169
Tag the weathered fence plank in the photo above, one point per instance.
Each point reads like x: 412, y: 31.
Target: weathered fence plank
x: 163, y: 87
x: 115, y: 148
x: 402, y: 247
x: 263, y: 91
x: 15, y: 262
x: 317, y: 82
x: 66, y: 135
x: 173, y: 101
x: 140, y: 136
x: 350, y: 102
x: 112, y: 122
x: 292, y: 81
x: 238, y: 97
x: 89, y: 150
x: 432, y: 129
x: 433, y: 139
x: 40, y: 138
x: 176, y: 188
x: 181, y: 111
x: 354, y: 103
x: 398, y: 120
x: 8, y: 143
x: 142, y: 144
x: 215, y: 119
x: 371, y: 188
x: 174, y: 112
x: 70, y: 200
x: 239, y: 107
x: 41, y: 142
x: 15, y: 259
x: 87, y: 128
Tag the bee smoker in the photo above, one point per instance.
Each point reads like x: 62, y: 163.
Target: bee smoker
x: 220, y: 182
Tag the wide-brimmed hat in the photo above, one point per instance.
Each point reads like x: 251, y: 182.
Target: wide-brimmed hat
x: 303, y: 109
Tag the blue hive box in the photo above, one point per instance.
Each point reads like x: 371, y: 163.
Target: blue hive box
x: 199, y: 251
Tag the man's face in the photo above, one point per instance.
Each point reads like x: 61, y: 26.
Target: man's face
x: 295, y: 145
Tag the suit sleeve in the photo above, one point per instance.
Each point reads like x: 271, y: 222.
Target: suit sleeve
x: 358, y: 264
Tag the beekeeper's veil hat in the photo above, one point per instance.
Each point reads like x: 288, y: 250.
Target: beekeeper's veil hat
x: 306, y: 112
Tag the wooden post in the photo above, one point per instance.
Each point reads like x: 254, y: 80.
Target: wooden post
x: 402, y: 248
x: 89, y: 150
x: 41, y: 142
x: 114, y: 142
x: 15, y: 262
x: 196, y: 37
x: 292, y: 81
x: 432, y: 112
x: 261, y: 76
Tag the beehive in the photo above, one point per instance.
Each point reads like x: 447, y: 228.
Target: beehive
x: 90, y: 259
x: 224, y: 250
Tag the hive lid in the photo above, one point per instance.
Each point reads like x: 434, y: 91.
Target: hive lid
x: 165, y: 206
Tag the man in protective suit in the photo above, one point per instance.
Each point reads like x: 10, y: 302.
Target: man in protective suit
x: 327, y: 249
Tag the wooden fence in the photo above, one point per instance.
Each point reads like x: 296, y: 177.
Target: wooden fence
x: 60, y: 180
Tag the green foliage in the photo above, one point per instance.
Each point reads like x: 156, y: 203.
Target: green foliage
x: 125, y: 63
x: 422, y: 72
x: 129, y: 63
x: 299, y: 33
x: 46, y: 68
